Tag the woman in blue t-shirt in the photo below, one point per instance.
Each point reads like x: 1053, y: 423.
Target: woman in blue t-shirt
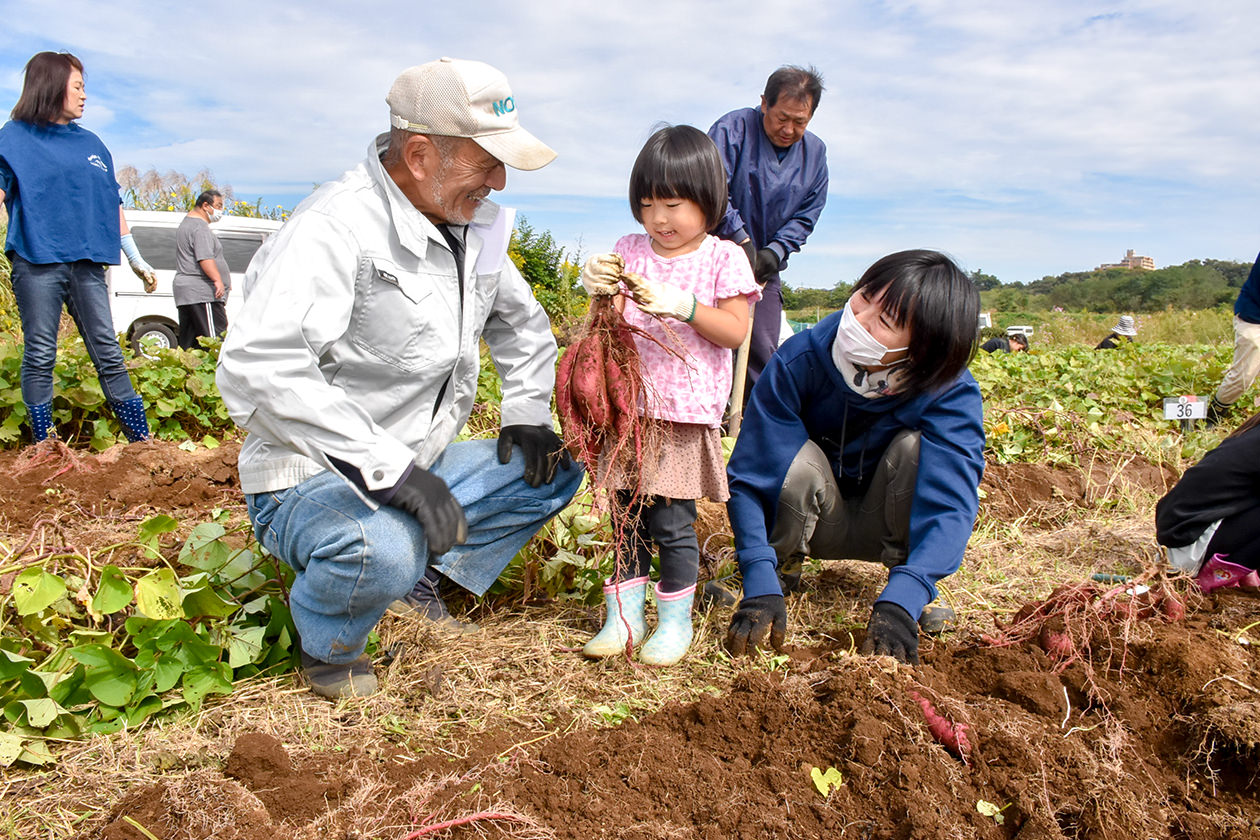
x: 65, y: 225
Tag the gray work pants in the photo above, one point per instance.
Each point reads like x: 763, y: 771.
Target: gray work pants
x: 814, y: 519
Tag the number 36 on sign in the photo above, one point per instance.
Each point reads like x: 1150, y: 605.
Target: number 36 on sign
x: 1188, y: 407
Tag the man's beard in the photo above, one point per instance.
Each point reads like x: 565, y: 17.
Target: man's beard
x: 454, y: 215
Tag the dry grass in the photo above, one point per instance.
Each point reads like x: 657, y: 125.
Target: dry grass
x: 524, y: 675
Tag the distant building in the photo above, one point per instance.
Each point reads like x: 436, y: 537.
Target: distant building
x: 1131, y: 260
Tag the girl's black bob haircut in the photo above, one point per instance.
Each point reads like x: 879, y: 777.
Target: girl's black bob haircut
x: 680, y: 161
x: 927, y: 292
x: 43, y: 98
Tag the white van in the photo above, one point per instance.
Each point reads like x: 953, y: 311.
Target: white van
x: 152, y: 319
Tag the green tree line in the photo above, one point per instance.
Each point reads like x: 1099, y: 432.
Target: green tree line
x: 1196, y: 284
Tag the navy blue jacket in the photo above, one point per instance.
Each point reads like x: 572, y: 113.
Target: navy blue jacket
x: 60, y: 191
x: 1247, y: 306
x: 802, y: 396
x: 774, y: 202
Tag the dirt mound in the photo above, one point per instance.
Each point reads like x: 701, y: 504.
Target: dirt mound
x: 51, y: 480
x: 1154, y: 735
x: 1041, y: 491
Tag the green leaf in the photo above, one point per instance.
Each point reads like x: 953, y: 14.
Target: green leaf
x: 36, y: 752
x: 158, y: 594
x: 206, y: 679
x: 114, y: 593
x: 204, y: 549
x: 826, y: 782
x: 35, y: 683
x: 140, y: 712
x: 110, y: 676
x: 153, y: 527
x: 11, y: 746
x: 205, y: 601
x: 41, y: 712
x: 245, y: 646
x: 990, y: 810
x: 13, y: 664
x: 34, y: 590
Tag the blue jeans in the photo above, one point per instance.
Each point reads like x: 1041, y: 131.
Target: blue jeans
x: 352, y: 561
x: 41, y: 291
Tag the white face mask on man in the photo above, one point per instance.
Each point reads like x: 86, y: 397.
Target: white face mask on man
x: 856, y: 345
x: 215, y: 213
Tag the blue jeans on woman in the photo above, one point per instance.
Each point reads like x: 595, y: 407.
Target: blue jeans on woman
x: 351, y: 562
x: 41, y: 290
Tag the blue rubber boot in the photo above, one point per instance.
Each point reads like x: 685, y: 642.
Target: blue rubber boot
x: 625, y: 602
x: 40, y: 418
x: 134, y: 421
x: 673, y: 627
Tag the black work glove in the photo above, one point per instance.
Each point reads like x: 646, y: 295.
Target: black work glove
x: 753, y: 619
x: 541, y: 447
x: 767, y: 263
x: 750, y: 251
x: 892, y: 632
x: 426, y: 497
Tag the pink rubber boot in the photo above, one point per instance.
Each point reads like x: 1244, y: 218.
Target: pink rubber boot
x: 1218, y: 572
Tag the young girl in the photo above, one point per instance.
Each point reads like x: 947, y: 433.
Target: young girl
x: 699, y: 288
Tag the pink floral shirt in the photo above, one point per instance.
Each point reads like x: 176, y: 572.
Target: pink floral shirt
x: 694, y: 388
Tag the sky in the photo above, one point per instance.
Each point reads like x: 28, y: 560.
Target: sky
x: 1023, y: 139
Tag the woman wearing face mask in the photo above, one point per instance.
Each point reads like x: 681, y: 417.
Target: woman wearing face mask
x: 65, y: 225
x: 863, y: 439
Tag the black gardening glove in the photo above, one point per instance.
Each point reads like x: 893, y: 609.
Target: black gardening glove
x: 767, y: 263
x: 541, y: 447
x: 892, y: 632
x: 753, y: 619
x: 750, y: 251
x: 426, y: 497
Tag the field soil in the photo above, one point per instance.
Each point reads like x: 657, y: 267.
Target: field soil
x: 1092, y: 710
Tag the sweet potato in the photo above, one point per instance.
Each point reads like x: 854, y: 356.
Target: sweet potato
x: 590, y: 393
x: 952, y: 736
x: 1172, y: 608
x: 1056, y: 642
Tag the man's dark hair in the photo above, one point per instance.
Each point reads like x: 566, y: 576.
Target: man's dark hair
x: 926, y: 292
x: 207, y: 197
x: 43, y: 98
x: 680, y: 161
x: 791, y: 82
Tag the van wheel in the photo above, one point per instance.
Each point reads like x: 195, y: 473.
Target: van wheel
x: 150, y: 336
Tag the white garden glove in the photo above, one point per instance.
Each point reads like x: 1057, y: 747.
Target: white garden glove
x: 142, y: 269
x: 661, y: 298
x: 602, y: 274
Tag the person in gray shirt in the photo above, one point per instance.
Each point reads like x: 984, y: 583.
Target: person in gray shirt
x: 202, y: 280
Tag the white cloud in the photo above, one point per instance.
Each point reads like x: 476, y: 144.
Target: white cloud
x: 1025, y: 139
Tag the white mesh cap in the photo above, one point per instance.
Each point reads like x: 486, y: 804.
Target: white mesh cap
x: 456, y: 98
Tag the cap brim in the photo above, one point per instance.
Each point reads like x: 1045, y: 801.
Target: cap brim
x: 517, y: 148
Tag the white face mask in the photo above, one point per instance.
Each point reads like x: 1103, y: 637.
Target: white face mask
x: 856, y: 345
x: 216, y: 213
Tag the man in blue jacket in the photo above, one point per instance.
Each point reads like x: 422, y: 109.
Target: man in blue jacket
x: 777, y: 174
x: 1246, y: 365
x: 864, y: 439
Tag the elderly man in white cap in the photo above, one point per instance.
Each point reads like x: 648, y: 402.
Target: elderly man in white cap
x: 1122, y: 332
x: 353, y: 365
